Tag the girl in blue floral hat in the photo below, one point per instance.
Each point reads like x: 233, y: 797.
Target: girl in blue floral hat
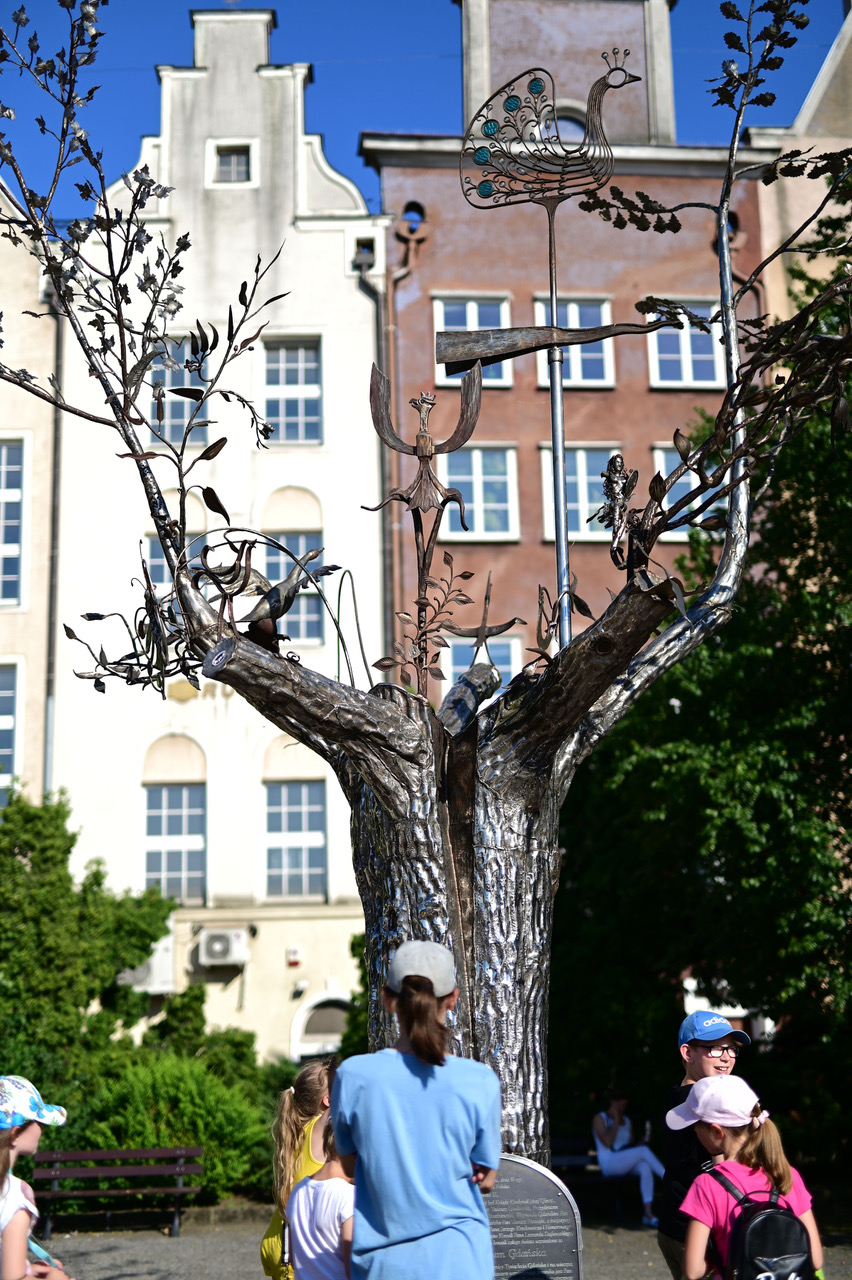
x: 23, y: 1115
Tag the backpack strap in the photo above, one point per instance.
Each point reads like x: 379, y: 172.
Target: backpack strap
x: 740, y: 1196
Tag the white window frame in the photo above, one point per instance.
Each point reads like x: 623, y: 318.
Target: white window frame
x: 21, y: 601
x: 188, y: 844
x: 586, y: 532
x: 180, y: 350
x: 516, y: 660
x: 513, y: 533
x: 302, y: 839
x: 285, y: 538
x: 572, y: 368
x: 717, y: 382
x: 659, y: 452
x: 298, y: 390
x: 17, y: 665
x: 211, y: 155
x: 472, y: 300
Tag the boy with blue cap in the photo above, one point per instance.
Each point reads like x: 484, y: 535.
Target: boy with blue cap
x: 708, y: 1046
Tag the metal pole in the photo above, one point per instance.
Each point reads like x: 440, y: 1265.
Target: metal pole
x: 557, y: 435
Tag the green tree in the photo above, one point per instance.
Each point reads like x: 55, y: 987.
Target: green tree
x: 710, y: 833
x: 63, y: 945
x: 355, y: 1038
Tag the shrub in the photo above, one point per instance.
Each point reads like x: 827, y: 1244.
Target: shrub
x: 172, y: 1101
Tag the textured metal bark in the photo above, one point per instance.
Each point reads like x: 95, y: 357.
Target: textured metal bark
x: 454, y: 835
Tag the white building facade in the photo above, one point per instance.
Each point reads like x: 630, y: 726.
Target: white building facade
x: 197, y: 794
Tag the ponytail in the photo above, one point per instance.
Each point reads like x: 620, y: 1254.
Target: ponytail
x: 419, y: 1012
x: 6, y: 1138
x: 297, y: 1106
x: 762, y: 1149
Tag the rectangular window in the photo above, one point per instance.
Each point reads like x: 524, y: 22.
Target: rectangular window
x: 468, y: 315
x: 305, y: 620
x: 11, y: 500
x: 8, y: 690
x: 487, y: 479
x: 665, y: 461
x: 589, y: 365
x: 177, y: 409
x: 688, y: 357
x: 296, y: 857
x: 233, y: 164
x: 294, y: 393
x: 176, y: 853
x: 158, y: 568
x: 506, y: 654
x: 583, y: 491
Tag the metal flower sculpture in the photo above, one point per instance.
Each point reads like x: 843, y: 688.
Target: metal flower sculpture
x: 426, y: 493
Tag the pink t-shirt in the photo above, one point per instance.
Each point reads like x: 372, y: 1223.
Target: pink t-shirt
x: 710, y: 1203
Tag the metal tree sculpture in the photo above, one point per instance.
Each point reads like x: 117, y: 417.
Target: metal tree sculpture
x: 455, y: 812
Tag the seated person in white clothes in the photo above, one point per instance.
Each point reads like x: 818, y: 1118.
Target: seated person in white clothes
x: 613, y: 1134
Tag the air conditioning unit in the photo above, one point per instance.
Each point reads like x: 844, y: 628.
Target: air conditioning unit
x: 223, y: 947
x: 157, y: 975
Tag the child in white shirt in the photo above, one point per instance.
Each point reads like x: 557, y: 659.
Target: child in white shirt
x: 320, y: 1211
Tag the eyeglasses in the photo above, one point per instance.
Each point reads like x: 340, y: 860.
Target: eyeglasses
x: 717, y: 1050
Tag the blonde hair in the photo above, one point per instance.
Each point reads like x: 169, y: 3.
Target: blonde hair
x: 762, y: 1150
x: 297, y: 1106
x: 329, y: 1150
x: 7, y: 1136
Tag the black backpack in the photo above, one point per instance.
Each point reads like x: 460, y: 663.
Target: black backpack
x: 768, y: 1241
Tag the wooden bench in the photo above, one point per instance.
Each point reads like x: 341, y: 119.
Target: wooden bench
x: 575, y: 1162
x: 112, y: 1166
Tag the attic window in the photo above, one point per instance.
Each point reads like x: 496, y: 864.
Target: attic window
x: 233, y: 164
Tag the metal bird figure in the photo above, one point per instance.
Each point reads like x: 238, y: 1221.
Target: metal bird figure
x: 278, y: 600
x: 514, y: 143
x: 513, y: 140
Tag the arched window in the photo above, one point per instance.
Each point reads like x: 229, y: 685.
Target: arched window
x: 324, y: 1027
x: 174, y: 777
x: 293, y: 517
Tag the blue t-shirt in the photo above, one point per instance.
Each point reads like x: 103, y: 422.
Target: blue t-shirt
x: 417, y: 1129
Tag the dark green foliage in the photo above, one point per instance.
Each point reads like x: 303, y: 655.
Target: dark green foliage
x: 355, y: 1035
x: 62, y: 1012
x: 174, y: 1101
x: 62, y: 946
x: 710, y: 833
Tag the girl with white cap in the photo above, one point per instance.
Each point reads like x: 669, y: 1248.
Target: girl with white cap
x: 23, y: 1115
x: 425, y: 1128
x: 729, y: 1121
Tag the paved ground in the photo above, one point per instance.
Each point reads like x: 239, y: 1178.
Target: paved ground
x: 230, y: 1252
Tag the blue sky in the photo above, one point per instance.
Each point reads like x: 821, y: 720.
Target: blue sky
x: 379, y: 65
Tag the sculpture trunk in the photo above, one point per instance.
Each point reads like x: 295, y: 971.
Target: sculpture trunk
x: 477, y: 871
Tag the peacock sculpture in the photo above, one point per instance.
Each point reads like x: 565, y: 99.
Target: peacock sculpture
x: 513, y: 141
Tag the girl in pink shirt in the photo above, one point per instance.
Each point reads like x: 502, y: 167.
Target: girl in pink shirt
x: 730, y: 1122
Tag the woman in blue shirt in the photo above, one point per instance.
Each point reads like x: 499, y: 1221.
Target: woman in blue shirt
x: 425, y: 1129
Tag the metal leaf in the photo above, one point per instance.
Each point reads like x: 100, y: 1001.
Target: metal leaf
x: 657, y: 489
x: 188, y: 393
x: 682, y: 445
x: 213, y: 450
x: 69, y: 633
x: 211, y: 501
x: 386, y: 664
x: 436, y: 672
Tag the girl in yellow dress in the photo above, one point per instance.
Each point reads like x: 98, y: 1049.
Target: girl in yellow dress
x: 298, y: 1131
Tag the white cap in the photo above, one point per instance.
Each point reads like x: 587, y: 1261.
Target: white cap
x: 724, y: 1100
x: 424, y: 960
